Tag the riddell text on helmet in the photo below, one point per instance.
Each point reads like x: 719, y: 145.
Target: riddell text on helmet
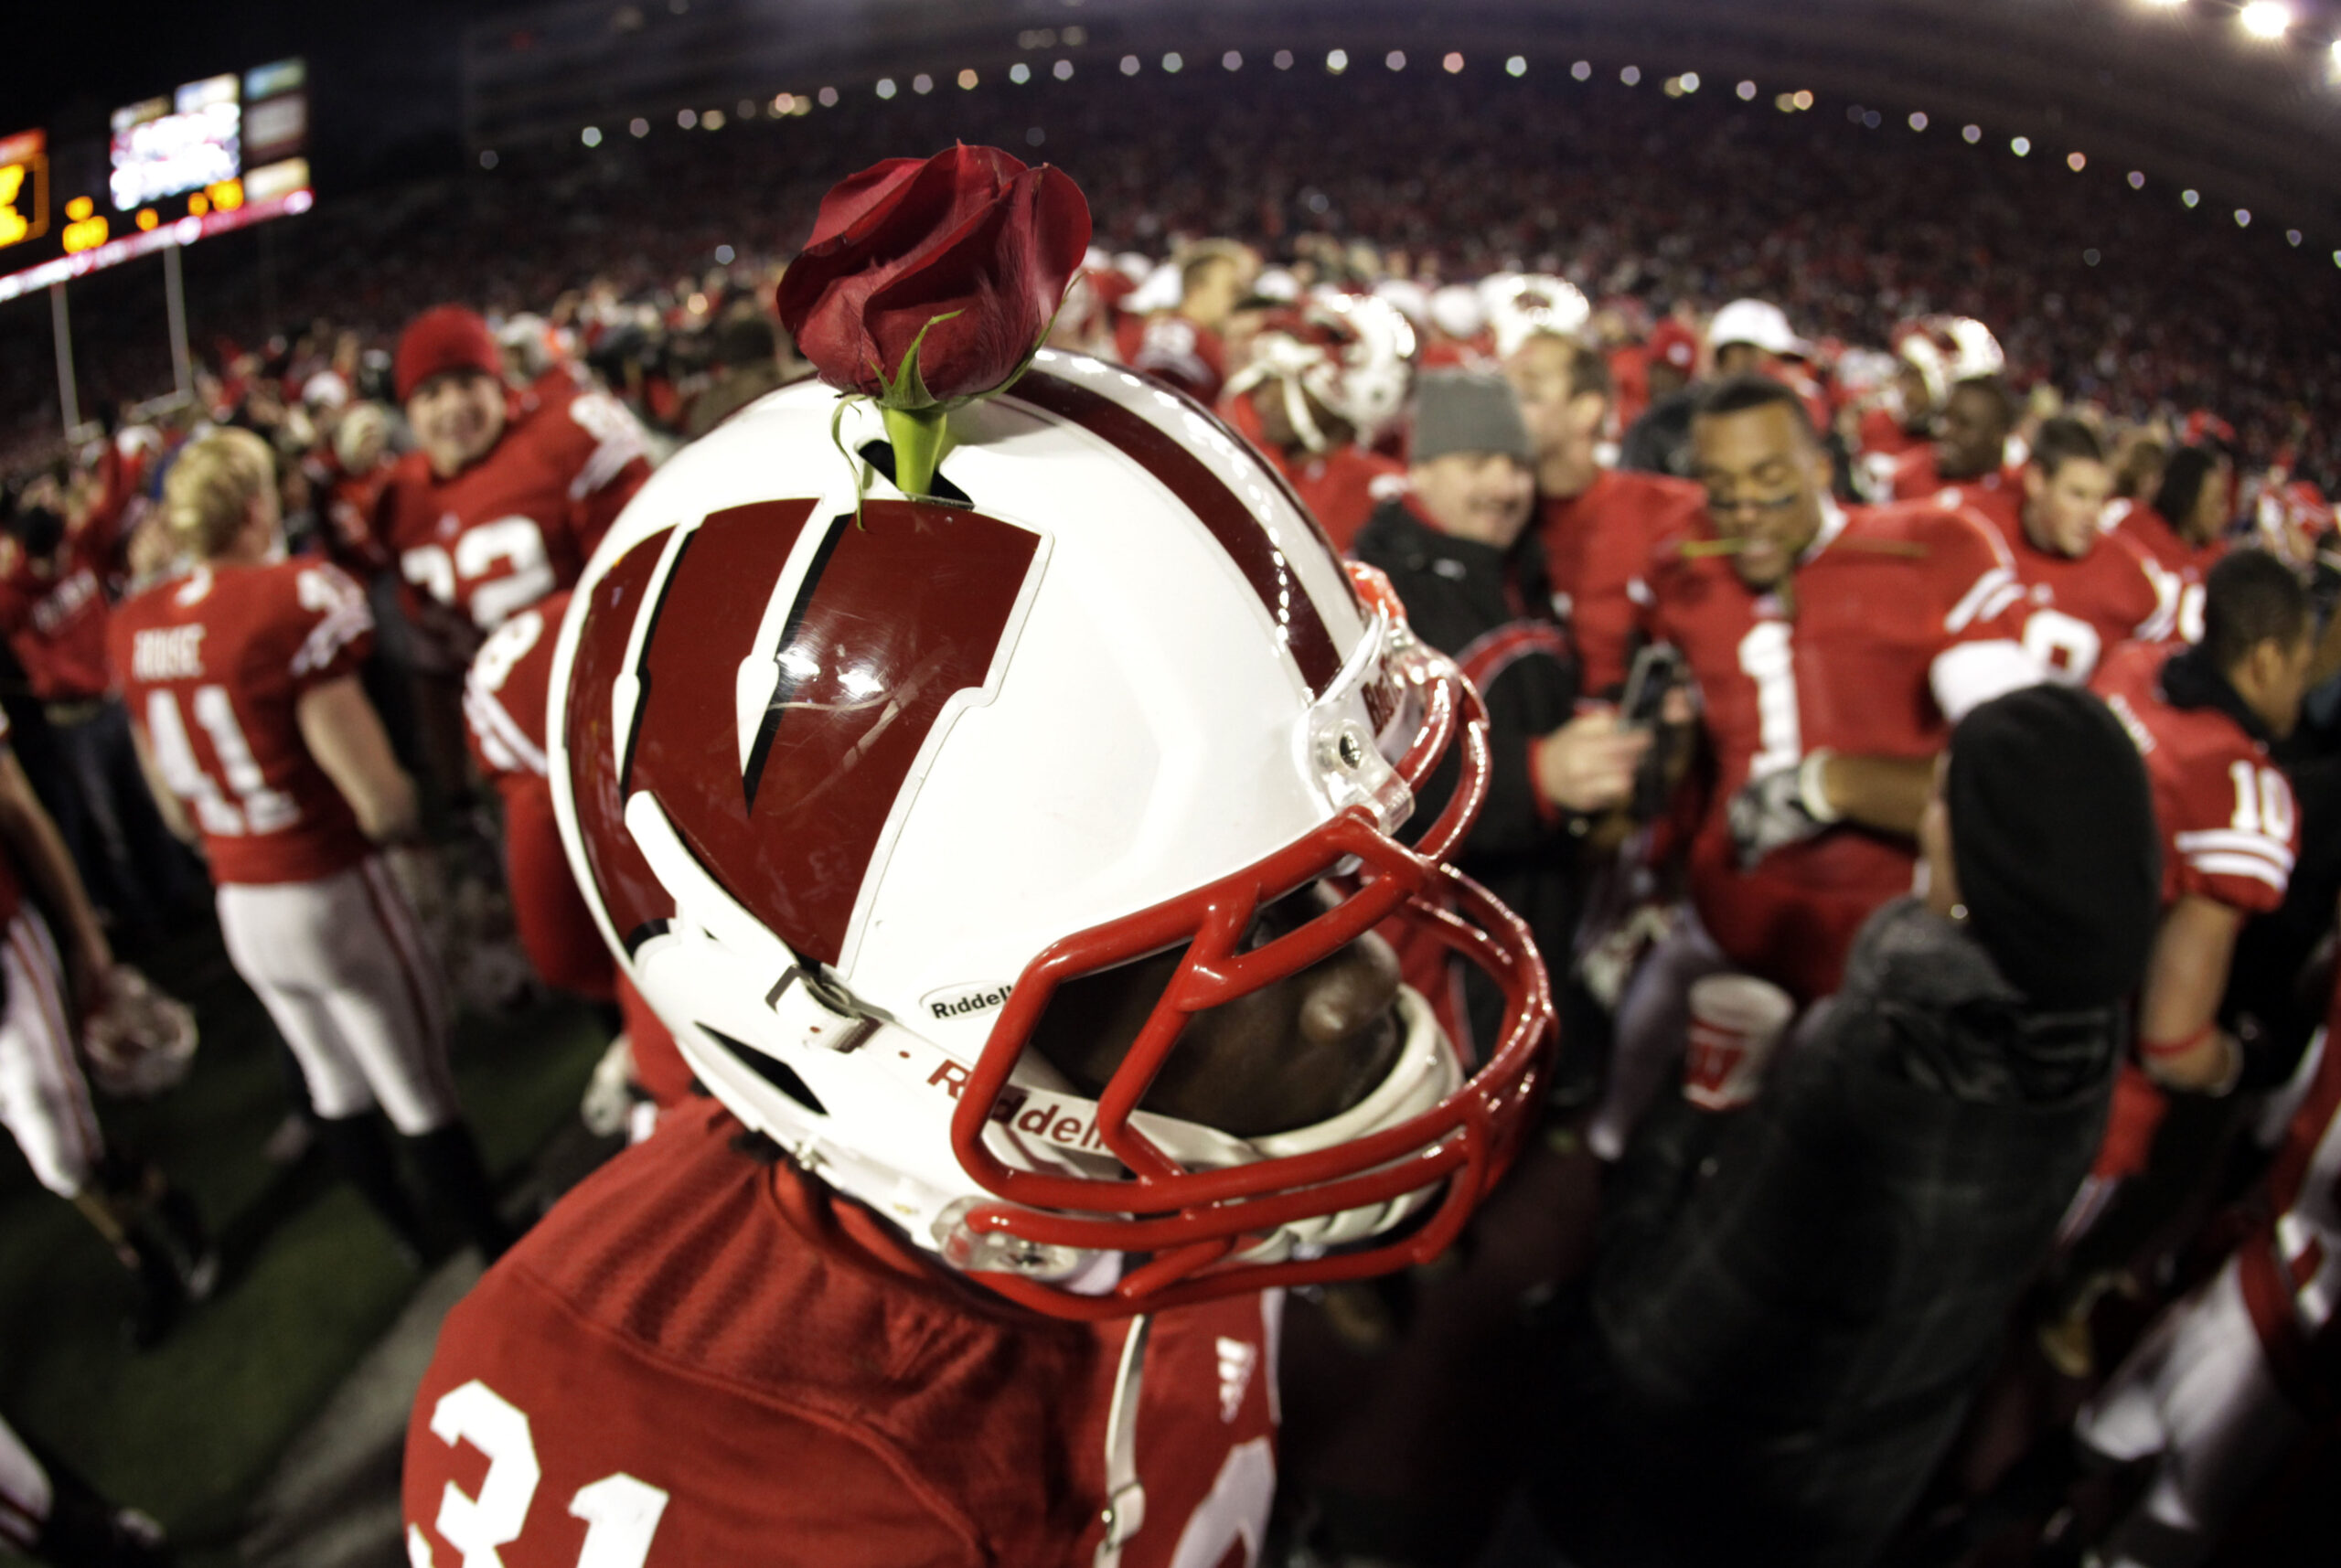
x: 959, y: 1001
x: 1041, y: 1116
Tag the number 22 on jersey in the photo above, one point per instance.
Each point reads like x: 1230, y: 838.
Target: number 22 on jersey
x: 621, y: 1513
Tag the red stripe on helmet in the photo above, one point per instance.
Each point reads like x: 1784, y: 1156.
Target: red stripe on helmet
x: 895, y: 615
x: 1221, y: 511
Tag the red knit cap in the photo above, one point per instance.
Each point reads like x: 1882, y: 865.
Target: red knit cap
x: 444, y: 337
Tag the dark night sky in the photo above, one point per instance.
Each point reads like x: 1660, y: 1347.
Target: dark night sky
x: 384, y: 99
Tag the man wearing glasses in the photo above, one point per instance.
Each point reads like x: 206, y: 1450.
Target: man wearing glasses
x: 1832, y: 647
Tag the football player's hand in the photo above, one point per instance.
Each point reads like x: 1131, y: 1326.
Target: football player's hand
x: 1587, y: 765
x: 1774, y: 810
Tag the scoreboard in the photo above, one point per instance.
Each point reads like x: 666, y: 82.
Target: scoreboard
x: 214, y: 156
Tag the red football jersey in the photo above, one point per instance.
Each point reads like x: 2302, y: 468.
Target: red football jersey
x: 2190, y: 564
x: 505, y: 714
x: 1597, y: 549
x: 56, y: 620
x: 697, y: 1361
x: 213, y: 666
x: 1190, y: 358
x: 1883, y: 434
x: 523, y: 520
x: 1340, y: 488
x: 2077, y: 607
x: 1885, y: 593
x: 2230, y: 829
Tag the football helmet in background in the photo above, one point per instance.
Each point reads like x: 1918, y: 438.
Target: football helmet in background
x: 1352, y: 354
x: 1947, y: 350
x: 1522, y: 304
x: 855, y: 784
x: 138, y: 1040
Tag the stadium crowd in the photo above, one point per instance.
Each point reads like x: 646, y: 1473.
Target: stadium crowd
x: 1844, y: 423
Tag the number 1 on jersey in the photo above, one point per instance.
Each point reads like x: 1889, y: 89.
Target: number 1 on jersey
x: 1766, y: 658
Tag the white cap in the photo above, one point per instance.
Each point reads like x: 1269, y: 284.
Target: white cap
x: 1162, y: 289
x: 1412, y: 300
x: 1759, y: 322
x: 1277, y: 283
x: 1455, y: 309
x: 326, y: 390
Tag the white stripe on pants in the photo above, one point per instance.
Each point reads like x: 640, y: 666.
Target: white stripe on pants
x: 24, y: 1492
x: 2196, y: 1396
x: 44, y: 1098
x: 341, y: 966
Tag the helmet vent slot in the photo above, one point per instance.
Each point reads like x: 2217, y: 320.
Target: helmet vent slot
x: 771, y: 1069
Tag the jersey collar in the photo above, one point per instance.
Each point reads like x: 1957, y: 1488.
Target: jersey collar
x: 1833, y: 523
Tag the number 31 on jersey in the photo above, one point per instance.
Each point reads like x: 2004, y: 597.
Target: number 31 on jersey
x: 621, y: 1513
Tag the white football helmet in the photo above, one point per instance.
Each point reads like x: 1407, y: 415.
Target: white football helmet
x: 1947, y: 350
x: 1522, y: 304
x: 138, y: 1040
x: 1354, y: 354
x: 851, y: 797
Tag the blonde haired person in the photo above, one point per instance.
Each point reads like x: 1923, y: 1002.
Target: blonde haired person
x: 262, y: 746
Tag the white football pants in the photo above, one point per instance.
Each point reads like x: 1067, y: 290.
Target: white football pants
x: 342, y: 967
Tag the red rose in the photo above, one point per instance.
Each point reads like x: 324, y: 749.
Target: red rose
x: 971, y: 234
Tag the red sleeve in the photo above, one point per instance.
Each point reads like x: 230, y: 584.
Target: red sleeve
x: 333, y: 630
x: 604, y: 455
x: 535, y: 1428
x: 2233, y: 835
x: 1611, y: 604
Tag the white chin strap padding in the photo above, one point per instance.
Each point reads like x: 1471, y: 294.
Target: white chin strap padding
x: 1425, y: 1072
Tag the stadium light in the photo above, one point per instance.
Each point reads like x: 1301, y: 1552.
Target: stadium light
x: 1232, y: 60
x: 591, y: 135
x: 2292, y: 238
x: 1690, y: 82
x: 712, y: 120
x: 2137, y: 180
x: 2190, y: 197
x: 487, y: 159
x: 2266, y: 18
x: 1062, y: 70
x: 1803, y: 98
x: 1582, y: 70
x: 637, y: 127
x: 1516, y: 66
x: 2091, y: 257
x: 1337, y: 60
x: 1631, y: 76
x: 1917, y: 120
x: 2076, y: 162
x: 829, y: 97
x: 723, y: 255
x: 1452, y: 64
x: 1019, y: 73
x: 2243, y: 218
x: 1746, y: 92
x: 1130, y: 65
x: 1396, y: 60
x: 1173, y: 63
x: 885, y: 90
x: 688, y: 118
x: 1970, y: 135
x: 1283, y: 60
x: 922, y: 84
x: 967, y: 80
x: 2021, y: 146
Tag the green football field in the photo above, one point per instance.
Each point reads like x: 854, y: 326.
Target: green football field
x: 190, y: 1429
